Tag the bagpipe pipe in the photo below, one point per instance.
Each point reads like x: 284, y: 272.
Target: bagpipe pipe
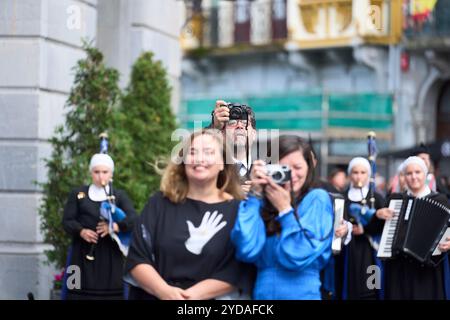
x: 110, y: 212
x: 362, y: 213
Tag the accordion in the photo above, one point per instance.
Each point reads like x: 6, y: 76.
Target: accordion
x: 417, y: 227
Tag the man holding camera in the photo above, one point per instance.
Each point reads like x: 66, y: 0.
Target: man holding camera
x: 238, y: 124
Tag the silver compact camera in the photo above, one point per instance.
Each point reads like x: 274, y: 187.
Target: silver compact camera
x: 280, y: 174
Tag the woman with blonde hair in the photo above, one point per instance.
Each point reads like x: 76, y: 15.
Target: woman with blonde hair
x: 181, y: 247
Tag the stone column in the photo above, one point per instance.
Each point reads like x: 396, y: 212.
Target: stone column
x: 128, y: 28
x: 40, y: 42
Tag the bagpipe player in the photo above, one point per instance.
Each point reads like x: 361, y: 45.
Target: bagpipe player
x: 90, y: 219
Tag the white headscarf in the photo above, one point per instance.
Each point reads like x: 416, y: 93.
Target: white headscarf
x: 415, y: 160
x: 101, y: 159
x: 359, y: 161
x: 98, y: 193
x: 357, y: 194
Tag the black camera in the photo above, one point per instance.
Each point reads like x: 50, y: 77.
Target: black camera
x: 280, y: 174
x: 237, y: 111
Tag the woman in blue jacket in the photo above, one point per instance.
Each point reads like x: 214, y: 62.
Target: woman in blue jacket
x: 285, y: 229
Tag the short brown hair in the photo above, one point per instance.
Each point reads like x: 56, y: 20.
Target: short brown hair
x: 174, y: 183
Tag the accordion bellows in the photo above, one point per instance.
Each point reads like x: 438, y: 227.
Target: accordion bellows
x: 416, y: 228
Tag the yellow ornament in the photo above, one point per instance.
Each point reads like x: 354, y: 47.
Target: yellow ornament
x: 81, y: 195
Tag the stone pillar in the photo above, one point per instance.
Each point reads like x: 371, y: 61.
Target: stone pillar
x: 113, y: 35
x: 40, y: 42
x: 411, y: 116
x: 128, y: 28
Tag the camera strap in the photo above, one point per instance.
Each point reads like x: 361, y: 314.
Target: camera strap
x: 247, y: 147
x: 212, y: 119
x: 247, y: 142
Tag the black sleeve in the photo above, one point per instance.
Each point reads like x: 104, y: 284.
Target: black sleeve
x: 229, y: 269
x: 70, y: 222
x: 239, y: 274
x: 375, y: 225
x: 141, y: 249
x: 126, y: 205
x: 442, y: 188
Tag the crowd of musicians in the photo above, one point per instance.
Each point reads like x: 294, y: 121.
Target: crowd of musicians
x: 224, y: 226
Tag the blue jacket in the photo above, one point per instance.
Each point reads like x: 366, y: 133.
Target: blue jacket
x: 288, y: 264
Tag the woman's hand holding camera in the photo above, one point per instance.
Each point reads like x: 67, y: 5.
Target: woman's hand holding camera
x: 279, y: 196
x: 258, y: 176
x: 246, y: 186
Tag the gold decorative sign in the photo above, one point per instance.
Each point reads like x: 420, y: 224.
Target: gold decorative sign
x: 81, y: 195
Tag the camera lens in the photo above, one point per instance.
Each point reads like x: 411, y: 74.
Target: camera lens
x: 277, y: 176
x: 236, y: 113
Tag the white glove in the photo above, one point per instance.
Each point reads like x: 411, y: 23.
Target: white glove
x: 209, y: 226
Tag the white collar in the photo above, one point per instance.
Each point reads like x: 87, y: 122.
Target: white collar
x: 96, y: 193
x: 426, y: 191
x: 244, y: 162
x: 355, y: 194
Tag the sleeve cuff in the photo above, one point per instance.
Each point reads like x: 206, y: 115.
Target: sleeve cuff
x: 78, y: 229
x: 285, y: 212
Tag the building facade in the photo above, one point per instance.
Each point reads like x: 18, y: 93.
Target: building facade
x: 330, y: 69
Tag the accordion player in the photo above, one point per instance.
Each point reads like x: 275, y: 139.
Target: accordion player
x: 416, y: 228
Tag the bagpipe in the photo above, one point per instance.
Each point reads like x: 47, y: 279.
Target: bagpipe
x: 110, y: 212
x: 361, y: 214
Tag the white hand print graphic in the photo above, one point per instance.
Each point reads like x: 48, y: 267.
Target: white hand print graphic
x: 199, y: 236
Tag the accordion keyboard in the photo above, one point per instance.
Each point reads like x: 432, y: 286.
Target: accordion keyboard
x: 387, y: 237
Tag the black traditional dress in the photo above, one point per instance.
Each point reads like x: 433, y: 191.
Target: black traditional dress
x: 408, y: 279
x: 161, y: 239
x: 102, y: 277
x: 353, y: 263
